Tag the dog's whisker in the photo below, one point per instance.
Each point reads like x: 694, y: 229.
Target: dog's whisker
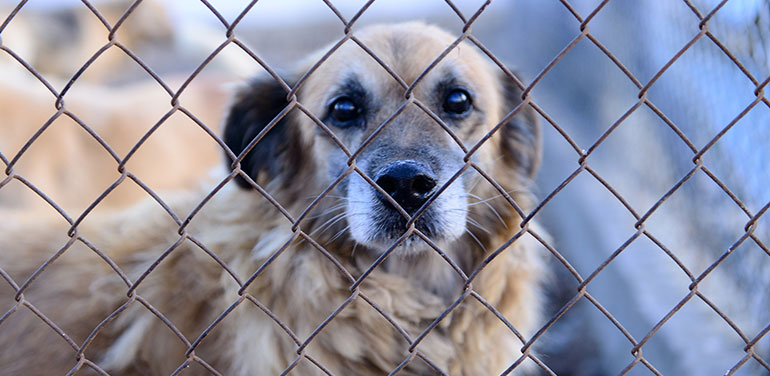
x: 358, y: 202
x: 332, y: 213
x: 330, y: 222
x: 338, y: 234
x: 335, y: 200
x: 492, y: 208
x: 499, y: 195
x: 478, y: 225
x: 336, y: 221
x: 327, y: 211
x: 481, y: 246
x: 477, y: 197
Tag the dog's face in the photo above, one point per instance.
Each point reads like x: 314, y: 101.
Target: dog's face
x: 399, y: 142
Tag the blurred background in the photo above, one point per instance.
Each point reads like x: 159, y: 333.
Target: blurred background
x: 715, y: 81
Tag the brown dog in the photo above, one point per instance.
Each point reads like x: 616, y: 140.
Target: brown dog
x: 227, y: 319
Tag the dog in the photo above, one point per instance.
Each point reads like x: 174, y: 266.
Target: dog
x: 387, y: 230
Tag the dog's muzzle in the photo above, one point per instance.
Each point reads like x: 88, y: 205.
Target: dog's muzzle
x: 409, y: 184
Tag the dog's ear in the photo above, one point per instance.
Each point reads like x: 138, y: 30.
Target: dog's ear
x: 521, y: 142
x: 278, y: 154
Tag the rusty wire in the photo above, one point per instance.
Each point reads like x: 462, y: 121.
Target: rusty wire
x: 583, y: 168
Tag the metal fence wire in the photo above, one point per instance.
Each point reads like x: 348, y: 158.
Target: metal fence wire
x: 581, y: 156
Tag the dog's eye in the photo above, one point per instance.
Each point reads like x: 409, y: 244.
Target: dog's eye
x: 344, y: 111
x: 457, y: 102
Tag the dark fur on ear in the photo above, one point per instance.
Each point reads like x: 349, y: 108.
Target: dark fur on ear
x: 279, y: 152
x: 521, y: 138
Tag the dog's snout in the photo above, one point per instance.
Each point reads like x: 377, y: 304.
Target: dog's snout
x: 409, y: 183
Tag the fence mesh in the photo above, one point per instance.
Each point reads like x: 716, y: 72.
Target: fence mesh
x: 582, y: 157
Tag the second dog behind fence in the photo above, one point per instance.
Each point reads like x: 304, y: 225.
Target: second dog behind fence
x: 374, y: 225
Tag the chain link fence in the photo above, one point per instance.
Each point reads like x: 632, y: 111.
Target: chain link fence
x: 542, y: 349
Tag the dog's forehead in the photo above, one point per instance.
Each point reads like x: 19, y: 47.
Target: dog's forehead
x: 407, y: 49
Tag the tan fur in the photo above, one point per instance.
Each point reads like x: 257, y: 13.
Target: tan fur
x: 301, y: 286
x: 67, y: 163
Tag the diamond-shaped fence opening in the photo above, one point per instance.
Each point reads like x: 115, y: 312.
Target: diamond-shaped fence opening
x: 122, y: 242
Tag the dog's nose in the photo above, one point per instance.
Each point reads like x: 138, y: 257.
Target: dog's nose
x: 408, y: 182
